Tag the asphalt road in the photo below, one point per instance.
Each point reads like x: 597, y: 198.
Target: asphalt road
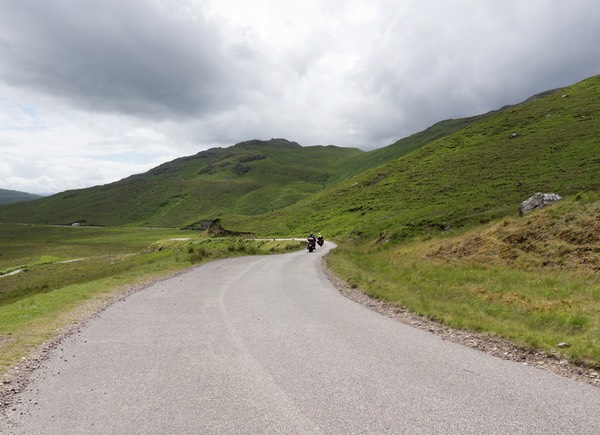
x: 267, y: 345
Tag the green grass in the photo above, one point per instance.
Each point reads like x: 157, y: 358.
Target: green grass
x: 29, y: 318
x: 537, y: 312
x: 21, y: 245
x: 49, y: 294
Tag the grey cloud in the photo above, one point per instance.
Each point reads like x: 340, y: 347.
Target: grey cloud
x: 477, y: 59
x: 113, y: 55
x: 416, y: 64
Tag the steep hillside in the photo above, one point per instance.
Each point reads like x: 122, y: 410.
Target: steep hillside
x: 381, y: 156
x: 10, y: 196
x: 249, y: 178
x: 550, y: 143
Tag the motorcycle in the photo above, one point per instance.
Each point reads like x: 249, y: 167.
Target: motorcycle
x: 320, y: 240
x: 311, y: 245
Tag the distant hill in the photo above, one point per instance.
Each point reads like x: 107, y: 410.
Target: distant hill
x: 10, y: 196
x: 248, y: 178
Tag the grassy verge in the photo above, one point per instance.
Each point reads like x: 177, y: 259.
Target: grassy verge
x: 534, y: 280
x: 50, y: 294
x: 538, y: 311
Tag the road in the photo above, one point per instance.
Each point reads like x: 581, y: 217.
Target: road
x: 267, y: 345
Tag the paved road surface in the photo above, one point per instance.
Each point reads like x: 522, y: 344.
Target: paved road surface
x: 267, y: 345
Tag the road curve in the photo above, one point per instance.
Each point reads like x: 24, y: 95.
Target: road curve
x: 266, y: 344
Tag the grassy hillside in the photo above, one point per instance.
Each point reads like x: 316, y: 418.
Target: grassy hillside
x: 249, y: 178
x: 565, y: 236
x: 381, y: 156
x: 456, y: 173
x: 472, y: 176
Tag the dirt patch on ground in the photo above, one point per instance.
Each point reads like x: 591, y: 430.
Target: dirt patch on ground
x: 564, y: 241
x: 495, y: 346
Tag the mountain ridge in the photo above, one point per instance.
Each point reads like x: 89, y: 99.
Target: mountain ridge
x: 250, y: 177
x: 8, y: 196
x: 426, y: 178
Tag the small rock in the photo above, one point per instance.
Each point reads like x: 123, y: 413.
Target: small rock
x: 563, y: 344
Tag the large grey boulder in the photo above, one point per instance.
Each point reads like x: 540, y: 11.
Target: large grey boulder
x: 538, y: 200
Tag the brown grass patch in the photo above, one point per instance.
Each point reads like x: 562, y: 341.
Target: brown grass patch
x: 564, y: 236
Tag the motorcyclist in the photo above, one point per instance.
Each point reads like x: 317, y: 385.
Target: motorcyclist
x: 320, y: 239
x: 312, y: 242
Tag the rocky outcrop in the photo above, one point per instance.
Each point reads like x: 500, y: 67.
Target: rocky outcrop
x: 252, y: 158
x: 240, y: 169
x: 538, y: 200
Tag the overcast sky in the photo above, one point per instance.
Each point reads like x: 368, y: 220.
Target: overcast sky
x: 93, y: 91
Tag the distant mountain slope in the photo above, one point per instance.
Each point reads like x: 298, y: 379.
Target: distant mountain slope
x: 248, y: 178
x: 380, y: 156
x: 10, y: 196
x: 550, y: 143
x: 456, y: 173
